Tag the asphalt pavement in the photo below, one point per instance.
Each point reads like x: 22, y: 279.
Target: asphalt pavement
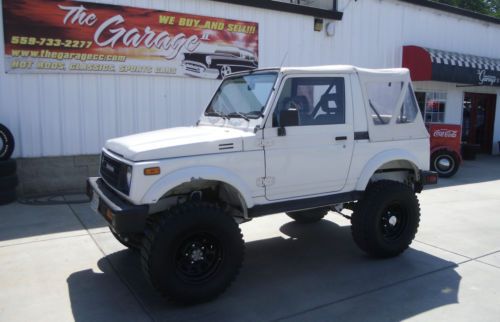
x: 59, y: 262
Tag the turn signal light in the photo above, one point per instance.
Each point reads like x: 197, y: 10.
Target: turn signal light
x: 152, y: 171
x: 432, y: 179
x: 109, y: 215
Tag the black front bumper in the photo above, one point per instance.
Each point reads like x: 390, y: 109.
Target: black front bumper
x: 123, y: 217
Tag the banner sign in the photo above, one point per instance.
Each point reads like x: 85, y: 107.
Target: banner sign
x: 51, y: 36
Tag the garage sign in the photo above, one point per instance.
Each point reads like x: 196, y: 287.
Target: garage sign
x: 50, y: 36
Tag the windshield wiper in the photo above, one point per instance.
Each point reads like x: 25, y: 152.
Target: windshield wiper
x: 215, y: 113
x: 238, y: 114
x: 256, y: 114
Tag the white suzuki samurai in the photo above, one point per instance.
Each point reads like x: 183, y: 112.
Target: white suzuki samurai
x: 298, y: 140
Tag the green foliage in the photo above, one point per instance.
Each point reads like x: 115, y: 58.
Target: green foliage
x: 487, y: 7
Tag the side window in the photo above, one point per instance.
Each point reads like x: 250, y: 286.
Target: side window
x: 432, y: 105
x: 319, y: 100
x: 409, y: 110
x: 383, y: 97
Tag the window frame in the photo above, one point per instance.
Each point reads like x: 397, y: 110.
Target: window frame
x: 282, y: 84
x: 373, y: 105
x: 424, y: 109
x: 411, y: 93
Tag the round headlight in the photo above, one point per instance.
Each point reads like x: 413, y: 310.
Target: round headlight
x: 208, y: 60
x: 129, y: 176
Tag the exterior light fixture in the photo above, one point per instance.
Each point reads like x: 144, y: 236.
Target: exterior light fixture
x: 330, y: 29
x: 318, y: 24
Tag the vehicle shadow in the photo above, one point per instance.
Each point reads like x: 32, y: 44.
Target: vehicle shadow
x: 311, y: 269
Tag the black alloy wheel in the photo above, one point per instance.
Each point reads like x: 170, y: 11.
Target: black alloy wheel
x: 198, y: 257
x: 394, y: 221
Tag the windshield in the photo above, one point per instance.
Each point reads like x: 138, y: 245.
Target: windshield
x: 242, y: 96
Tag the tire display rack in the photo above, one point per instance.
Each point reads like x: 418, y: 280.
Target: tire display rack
x: 8, y: 167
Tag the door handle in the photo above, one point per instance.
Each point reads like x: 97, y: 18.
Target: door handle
x: 341, y: 138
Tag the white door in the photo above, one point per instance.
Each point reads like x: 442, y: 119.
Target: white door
x: 313, y: 157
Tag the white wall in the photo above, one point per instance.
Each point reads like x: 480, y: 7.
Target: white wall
x: 75, y: 114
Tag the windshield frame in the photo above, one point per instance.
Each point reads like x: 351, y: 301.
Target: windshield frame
x: 274, y: 72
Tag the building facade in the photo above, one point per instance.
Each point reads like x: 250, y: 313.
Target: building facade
x: 56, y: 117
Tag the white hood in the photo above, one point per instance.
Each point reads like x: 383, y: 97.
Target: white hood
x: 178, y: 142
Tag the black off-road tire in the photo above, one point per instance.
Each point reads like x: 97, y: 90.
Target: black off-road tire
x: 7, y: 167
x: 133, y: 242
x: 8, y: 182
x: 7, y: 196
x: 308, y: 216
x: 6, y: 143
x: 449, y: 158
x: 385, y: 221
x: 192, y: 252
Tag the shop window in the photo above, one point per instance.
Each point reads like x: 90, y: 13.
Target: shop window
x: 383, y: 97
x: 432, y: 105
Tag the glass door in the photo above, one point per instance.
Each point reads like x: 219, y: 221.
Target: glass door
x: 478, y: 118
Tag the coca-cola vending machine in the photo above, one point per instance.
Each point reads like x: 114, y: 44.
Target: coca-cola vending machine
x: 445, y: 148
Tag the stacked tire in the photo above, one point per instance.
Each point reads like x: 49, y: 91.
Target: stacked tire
x: 8, y: 167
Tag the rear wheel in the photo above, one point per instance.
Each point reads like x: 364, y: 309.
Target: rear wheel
x: 308, y: 216
x: 385, y: 221
x: 445, y: 163
x: 192, y: 252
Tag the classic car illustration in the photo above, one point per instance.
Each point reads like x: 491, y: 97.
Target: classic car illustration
x: 219, y: 63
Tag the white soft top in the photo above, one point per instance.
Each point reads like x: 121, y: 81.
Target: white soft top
x: 346, y: 69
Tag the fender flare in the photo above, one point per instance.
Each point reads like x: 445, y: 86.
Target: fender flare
x: 380, y: 159
x: 176, y: 178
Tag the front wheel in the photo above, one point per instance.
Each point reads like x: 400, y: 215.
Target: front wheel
x: 445, y: 163
x: 192, y: 252
x: 386, y: 219
x: 225, y: 70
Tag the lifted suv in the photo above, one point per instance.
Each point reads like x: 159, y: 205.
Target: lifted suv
x: 297, y: 140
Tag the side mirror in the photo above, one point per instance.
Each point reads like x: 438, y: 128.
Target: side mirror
x: 287, y: 118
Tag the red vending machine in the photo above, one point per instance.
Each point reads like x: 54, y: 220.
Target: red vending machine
x: 445, y: 148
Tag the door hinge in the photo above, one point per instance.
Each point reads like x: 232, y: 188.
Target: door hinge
x: 263, y: 143
x: 265, y: 182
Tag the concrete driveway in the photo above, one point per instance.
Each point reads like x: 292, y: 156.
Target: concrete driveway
x: 60, y: 263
